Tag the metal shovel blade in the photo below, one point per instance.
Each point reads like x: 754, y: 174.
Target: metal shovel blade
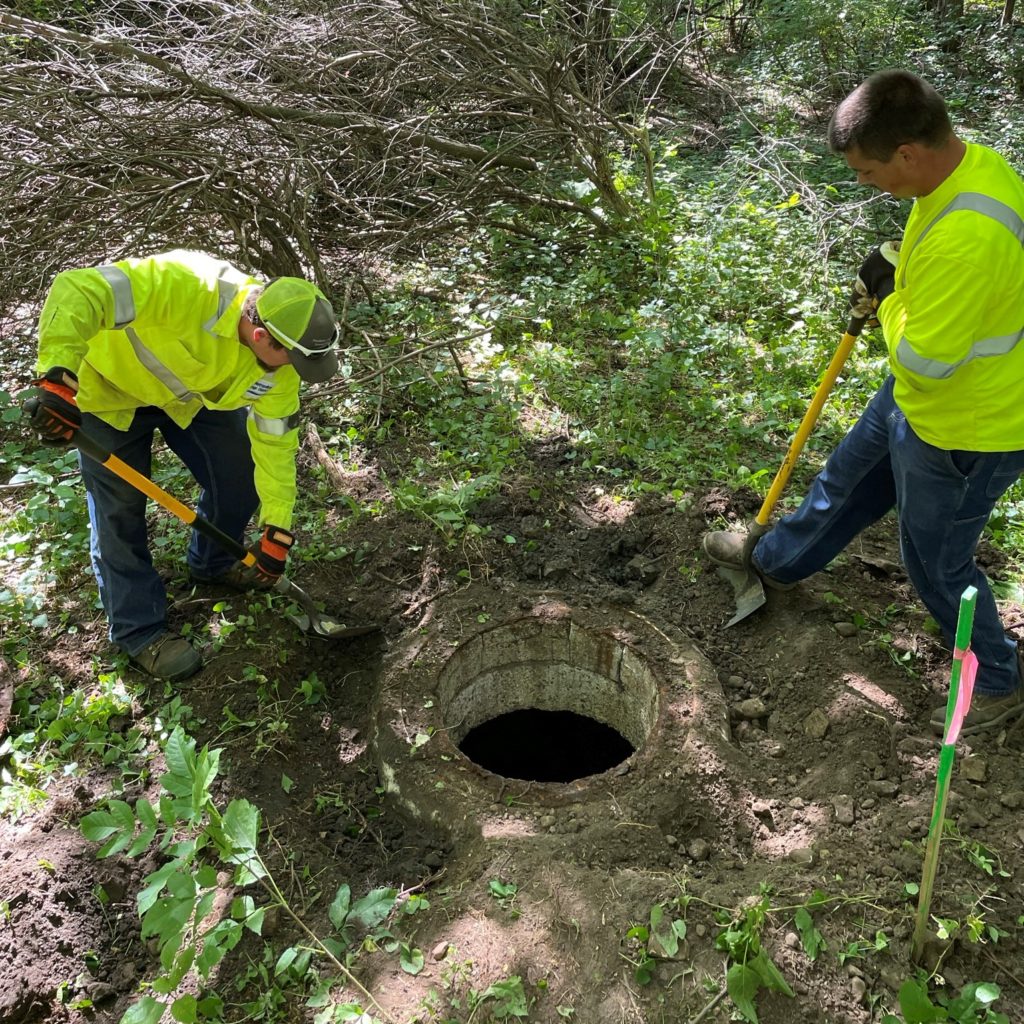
x: 325, y: 628
x: 312, y: 621
x: 749, y: 591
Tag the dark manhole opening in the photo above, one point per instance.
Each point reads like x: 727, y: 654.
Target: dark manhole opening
x: 545, y: 746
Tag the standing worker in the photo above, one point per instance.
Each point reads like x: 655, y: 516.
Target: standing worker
x: 943, y: 437
x: 212, y: 357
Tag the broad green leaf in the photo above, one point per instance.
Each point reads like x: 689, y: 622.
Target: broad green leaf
x: 155, y: 884
x: 206, y: 876
x: 146, y: 1011
x: 185, y: 1009
x: 811, y: 938
x: 742, y: 984
x: 98, y: 825
x: 339, y: 908
x: 124, y: 818
x: 983, y: 992
x: 179, y: 752
x: 211, y: 1006
x: 284, y: 961
x: 373, y: 908
x: 412, y: 960
x: 241, y: 827
x: 166, y: 918
x: 203, y: 908
x: 915, y: 1005
x: 146, y: 813
x: 771, y: 976
x: 207, y: 764
x: 509, y: 997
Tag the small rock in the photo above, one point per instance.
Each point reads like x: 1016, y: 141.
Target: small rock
x: 271, y: 922
x: 953, y: 977
x: 842, y: 805
x: 846, y: 629
x: 859, y: 988
x: 792, y: 940
x: 797, y: 803
x: 802, y: 856
x: 866, y: 805
x: 816, y: 724
x: 531, y: 527
x: 547, y: 821
x: 642, y: 569
x: 671, y: 840
x: 699, y: 850
x: 701, y: 931
x: 883, y: 787
x: 751, y: 709
x: 974, y: 768
x: 99, y: 991
x: 853, y: 970
x: 1013, y: 800
x: 440, y: 951
x: 893, y: 978
x: 735, y: 682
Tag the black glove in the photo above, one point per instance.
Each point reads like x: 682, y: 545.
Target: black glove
x: 876, y: 280
x: 271, y: 554
x: 52, y: 409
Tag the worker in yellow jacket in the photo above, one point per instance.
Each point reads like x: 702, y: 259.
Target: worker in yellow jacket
x: 943, y: 438
x: 213, y: 358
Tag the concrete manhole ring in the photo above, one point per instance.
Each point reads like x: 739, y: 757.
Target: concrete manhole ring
x: 605, y: 666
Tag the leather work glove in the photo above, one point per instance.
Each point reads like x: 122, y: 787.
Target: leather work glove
x: 271, y: 553
x: 875, y: 281
x: 53, y: 410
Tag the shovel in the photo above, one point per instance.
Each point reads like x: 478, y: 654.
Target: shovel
x: 747, y: 585
x: 312, y: 621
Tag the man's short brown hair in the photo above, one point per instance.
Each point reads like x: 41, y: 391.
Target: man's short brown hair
x: 886, y: 111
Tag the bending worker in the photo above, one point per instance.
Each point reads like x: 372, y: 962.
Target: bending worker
x: 943, y: 438
x: 212, y: 357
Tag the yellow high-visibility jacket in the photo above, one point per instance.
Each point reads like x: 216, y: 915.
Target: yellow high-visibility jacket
x: 954, y: 326
x: 163, y: 331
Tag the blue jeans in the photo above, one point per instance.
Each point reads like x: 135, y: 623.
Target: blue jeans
x: 943, y: 500
x: 215, y: 448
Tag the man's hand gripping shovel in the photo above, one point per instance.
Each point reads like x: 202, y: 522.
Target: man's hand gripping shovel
x: 310, y: 621
x: 747, y: 585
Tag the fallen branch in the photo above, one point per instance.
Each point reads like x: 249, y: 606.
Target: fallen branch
x: 320, y: 453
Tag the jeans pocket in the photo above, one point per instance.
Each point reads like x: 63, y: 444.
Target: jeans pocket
x: 1005, y: 473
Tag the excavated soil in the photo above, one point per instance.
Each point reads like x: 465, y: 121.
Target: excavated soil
x: 789, y: 754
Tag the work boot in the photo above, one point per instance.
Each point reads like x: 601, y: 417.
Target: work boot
x: 727, y: 549
x: 168, y: 657
x: 239, y: 577
x: 986, y: 713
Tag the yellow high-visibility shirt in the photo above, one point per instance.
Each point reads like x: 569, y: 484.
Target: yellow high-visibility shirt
x: 955, y: 324
x: 163, y: 331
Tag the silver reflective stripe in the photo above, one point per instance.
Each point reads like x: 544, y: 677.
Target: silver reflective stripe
x: 972, y: 202
x: 171, y: 381
x: 276, y: 426
x: 124, y: 300
x: 226, y: 291
x: 938, y: 370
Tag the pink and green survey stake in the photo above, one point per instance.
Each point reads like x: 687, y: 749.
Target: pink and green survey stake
x: 961, y: 686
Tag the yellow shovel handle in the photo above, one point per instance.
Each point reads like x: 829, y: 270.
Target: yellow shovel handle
x: 810, y: 418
